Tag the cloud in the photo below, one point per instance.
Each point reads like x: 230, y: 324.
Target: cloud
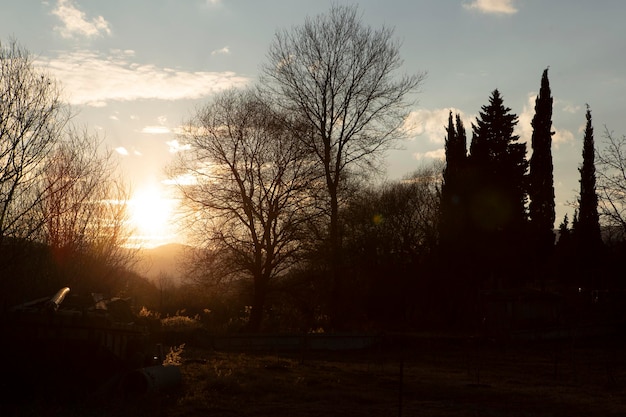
x: 524, y: 127
x: 175, y: 146
x: 75, y: 22
x: 570, y: 108
x: 431, y: 123
x: 492, y: 6
x: 436, y: 154
x: 223, y: 51
x: 156, y: 130
x: 93, y: 79
x: 121, y: 150
x: 562, y: 136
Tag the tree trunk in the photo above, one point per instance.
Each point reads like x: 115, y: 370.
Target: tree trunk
x: 258, y: 304
x: 337, y: 310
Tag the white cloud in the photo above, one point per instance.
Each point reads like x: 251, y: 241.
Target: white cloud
x: 492, y: 6
x: 223, y: 51
x: 524, y: 127
x: 156, y: 130
x: 175, y: 146
x: 121, y: 150
x: 431, y: 123
x: 94, y: 79
x: 562, y: 136
x: 570, y: 108
x: 76, y: 23
x: 436, y: 154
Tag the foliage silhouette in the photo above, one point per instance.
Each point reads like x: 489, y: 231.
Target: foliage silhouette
x: 541, y: 182
x: 340, y: 77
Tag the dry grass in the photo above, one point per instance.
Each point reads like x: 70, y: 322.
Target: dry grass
x: 439, y: 379
x: 429, y: 377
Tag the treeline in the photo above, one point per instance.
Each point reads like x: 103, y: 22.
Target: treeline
x: 281, y: 207
x: 290, y: 229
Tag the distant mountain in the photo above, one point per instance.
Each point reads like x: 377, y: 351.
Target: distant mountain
x: 166, y: 260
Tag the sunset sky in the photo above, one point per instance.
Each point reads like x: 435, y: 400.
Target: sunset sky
x: 135, y: 70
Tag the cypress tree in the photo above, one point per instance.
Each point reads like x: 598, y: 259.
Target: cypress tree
x: 587, y: 231
x: 453, y: 192
x: 541, y: 189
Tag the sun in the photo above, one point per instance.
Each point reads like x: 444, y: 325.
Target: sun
x: 151, y: 216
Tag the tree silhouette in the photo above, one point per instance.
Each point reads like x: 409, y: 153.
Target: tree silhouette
x: 453, y: 188
x: 500, y: 165
x: 340, y: 76
x: 390, y: 230
x: 497, y: 168
x: 541, y: 187
x: 587, y: 230
x: 85, y: 218
x: 612, y: 182
x: 32, y: 119
x: 248, y: 202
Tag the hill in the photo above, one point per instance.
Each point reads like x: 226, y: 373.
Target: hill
x: 166, y: 260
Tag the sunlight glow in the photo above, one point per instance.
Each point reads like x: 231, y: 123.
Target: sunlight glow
x: 151, y: 217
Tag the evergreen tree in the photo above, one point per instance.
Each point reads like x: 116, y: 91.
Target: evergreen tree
x: 499, y: 167
x: 497, y: 196
x: 565, y: 259
x: 541, y: 189
x: 453, y: 191
x: 587, y: 231
x: 564, y: 231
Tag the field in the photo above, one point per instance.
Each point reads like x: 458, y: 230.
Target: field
x: 424, y: 376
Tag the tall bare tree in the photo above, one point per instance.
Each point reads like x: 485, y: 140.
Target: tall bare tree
x: 32, y: 118
x: 248, y: 199
x: 341, y: 77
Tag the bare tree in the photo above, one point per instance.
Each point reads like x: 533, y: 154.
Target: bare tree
x: 400, y: 218
x: 611, y: 182
x: 247, y: 201
x: 32, y: 117
x: 83, y: 209
x: 340, y: 76
x: 389, y: 230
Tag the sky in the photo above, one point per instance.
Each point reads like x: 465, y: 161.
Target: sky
x: 135, y: 70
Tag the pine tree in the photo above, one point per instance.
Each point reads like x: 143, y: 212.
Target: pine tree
x: 587, y: 231
x: 453, y: 195
x: 499, y: 167
x: 541, y: 189
x: 564, y: 231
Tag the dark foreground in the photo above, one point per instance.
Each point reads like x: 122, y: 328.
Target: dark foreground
x: 420, y: 377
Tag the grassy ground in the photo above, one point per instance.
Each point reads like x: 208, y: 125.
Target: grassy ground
x: 428, y: 377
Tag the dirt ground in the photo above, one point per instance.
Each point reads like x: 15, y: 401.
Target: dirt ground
x: 424, y: 377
